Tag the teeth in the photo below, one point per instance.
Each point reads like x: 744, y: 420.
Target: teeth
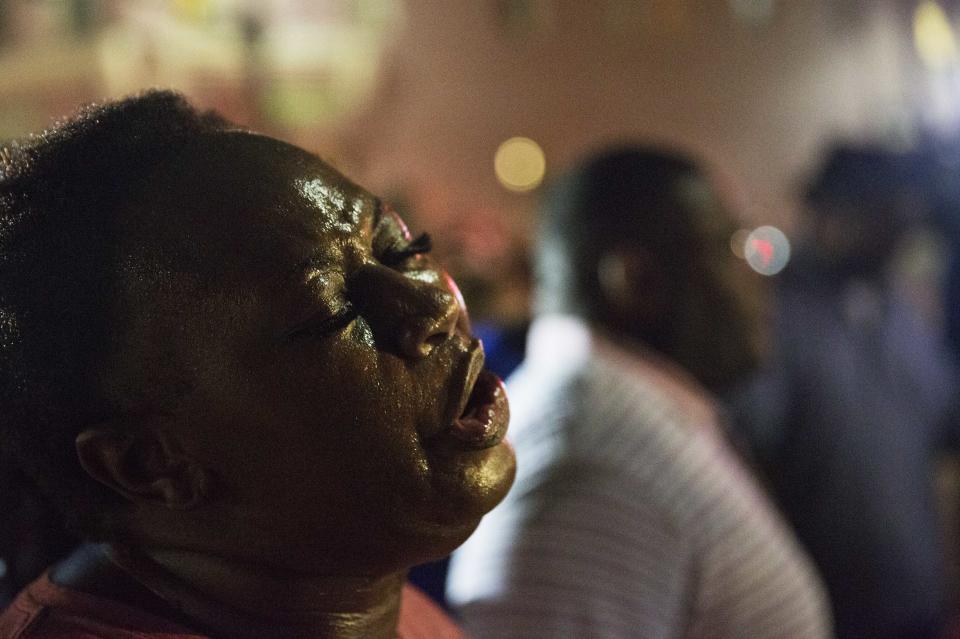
x: 473, y: 430
x: 476, y: 425
x: 474, y: 401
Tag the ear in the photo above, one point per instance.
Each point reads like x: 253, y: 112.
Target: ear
x: 146, y: 467
x: 632, y: 282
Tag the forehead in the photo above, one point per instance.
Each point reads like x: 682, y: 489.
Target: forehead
x: 327, y: 202
x: 247, y: 207
x: 276, y: 195
x: 220, y: 249
x: 298, y: 183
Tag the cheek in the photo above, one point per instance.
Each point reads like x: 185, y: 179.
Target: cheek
x: 340, y: 407
x: 362, y: 401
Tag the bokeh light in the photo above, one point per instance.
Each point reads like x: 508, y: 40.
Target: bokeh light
x: 767, y: 250
x: 933, y: 36
x: 520, y: 164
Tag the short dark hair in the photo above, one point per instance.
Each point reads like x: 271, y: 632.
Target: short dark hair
x: 62, y: 195
x: 641, y: 195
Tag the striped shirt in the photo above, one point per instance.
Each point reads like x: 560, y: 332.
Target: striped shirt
x: 630, y: 516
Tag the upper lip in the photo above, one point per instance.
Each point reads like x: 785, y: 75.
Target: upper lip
x: 474, y: 365
x: 464, y: 379
x: 478, y: 418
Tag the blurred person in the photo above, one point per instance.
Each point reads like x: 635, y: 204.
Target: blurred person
x: 939, y: 160
x: 858, y: 400
x: 631, y: 515
x: 240, y: 377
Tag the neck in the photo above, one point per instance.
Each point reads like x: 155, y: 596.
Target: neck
x: 233, y: 598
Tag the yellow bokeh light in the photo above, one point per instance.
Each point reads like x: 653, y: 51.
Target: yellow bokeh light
x: 520, y: 164
x: 933, y: 36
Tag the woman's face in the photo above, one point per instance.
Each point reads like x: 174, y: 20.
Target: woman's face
x: 337, y: 390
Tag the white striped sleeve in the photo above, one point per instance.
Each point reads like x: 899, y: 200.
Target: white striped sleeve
x: 567, y: 576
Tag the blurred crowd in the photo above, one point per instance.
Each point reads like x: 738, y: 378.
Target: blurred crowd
x: 843, y: 419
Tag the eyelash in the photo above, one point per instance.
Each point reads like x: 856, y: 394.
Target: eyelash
x: 420, y: 246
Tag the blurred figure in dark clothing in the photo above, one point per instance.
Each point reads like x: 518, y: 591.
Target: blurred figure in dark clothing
x: 940, y: 165
x: 848, y: 419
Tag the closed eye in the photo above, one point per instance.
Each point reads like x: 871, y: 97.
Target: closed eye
x: 394, y: 256
x: 320, y: 325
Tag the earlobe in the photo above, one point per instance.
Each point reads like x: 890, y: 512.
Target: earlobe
x: 143, y: 468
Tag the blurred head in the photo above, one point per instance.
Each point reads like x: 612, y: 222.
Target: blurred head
x: 212, y: 339
x: 859, y: 203
x: 636, y: 241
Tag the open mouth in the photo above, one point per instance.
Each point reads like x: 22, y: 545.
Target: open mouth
x: 483, y: 422
x: 480, y: 417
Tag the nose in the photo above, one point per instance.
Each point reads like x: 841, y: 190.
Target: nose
x: 409, y: 316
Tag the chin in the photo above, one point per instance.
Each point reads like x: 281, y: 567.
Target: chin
x: 473, y: 483
x: 413, y: 542
x: 466, y: 487
x: 435, y: 544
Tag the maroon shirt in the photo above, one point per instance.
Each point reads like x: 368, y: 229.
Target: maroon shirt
x: 45, y: 610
